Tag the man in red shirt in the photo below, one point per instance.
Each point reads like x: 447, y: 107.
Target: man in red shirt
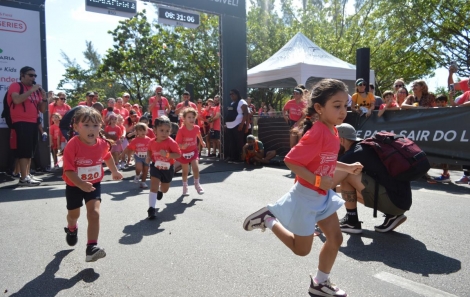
x: 158, y: 104
x: 214, y: 134
x: 89, y: 99
x: 185, y: 103
x: 24, y: 110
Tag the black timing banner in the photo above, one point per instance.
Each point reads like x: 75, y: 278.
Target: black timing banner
x: 440, y: 132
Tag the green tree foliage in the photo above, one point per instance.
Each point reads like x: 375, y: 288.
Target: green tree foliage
x: 77, y: 81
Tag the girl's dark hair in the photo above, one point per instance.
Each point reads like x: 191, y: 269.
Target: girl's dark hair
x: 321, y: 93
x: 236, y: 92
x: 403, y: 88
x: 88, y: 114
x: 162, y: 120
x: 129, y: 120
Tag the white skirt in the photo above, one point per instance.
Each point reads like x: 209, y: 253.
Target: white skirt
x: 301, y: 208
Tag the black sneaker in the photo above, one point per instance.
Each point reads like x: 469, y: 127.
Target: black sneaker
x: 256, y: 220
x: 71, y: 237
x: 325, y: 289
x: 390, y: 223
x: 349, y: 226
x: 151, y: 213
x: 159, y: 195
x: 93, y: 253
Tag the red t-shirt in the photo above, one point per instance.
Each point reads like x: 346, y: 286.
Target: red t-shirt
x: 464, y: 85
x: 85, y: 160
x: 28, y: 113
x: 394, y: 104
x: 62, y: 110
x: 201, y: 115
x: 188, y: 136
x: 465, y: 98
x: 55, y: 133
x: 160, y: 105
x: 168, y: 145
x: 295, y: 110
x: 318, y: 151
x: 150, y: 133
x: 122, y: 111
x: 140, y: 145
x: 182, y: 106
x: 13, y: 139
x: 212, y: 112
x: 114, y: 131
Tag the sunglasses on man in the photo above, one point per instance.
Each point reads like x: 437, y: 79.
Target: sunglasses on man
x: 32, y: 75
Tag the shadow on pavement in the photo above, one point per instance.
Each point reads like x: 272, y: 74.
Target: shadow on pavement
x: 135, y: 233
x: 450, y: 188
x: 399, y: 251
x: 47, y: 285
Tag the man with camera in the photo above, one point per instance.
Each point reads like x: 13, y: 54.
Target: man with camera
x: 158, y: 104
x: 253, y: 152
x: 26, y: 99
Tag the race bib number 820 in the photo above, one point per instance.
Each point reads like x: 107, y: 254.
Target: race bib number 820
x: 89, y: 173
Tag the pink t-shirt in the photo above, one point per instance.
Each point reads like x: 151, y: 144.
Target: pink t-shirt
x: 160, y: 105
x: 114, y: 131
x: 62, y: 110
x: 464, y: 85
x: 168, y: 145
x: 150, y: 133
x: 55, y: 133
x: 189, y: 137
x: 318, y: 151
x: 27, y: 113
x: 122, y: 111
x: 140, y: 145
x: 86, y: 103
x: 212, y: 111
x: 295, y: 109
x: 465, y: 98
x: 85, y: 160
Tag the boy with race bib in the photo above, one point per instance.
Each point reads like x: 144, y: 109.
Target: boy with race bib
x: 83, y: 172
x: 162, y: 151
x: 187, y: 138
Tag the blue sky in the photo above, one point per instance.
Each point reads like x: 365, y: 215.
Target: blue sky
x: 68, y: 26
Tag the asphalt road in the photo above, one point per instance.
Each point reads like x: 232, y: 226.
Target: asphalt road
x: 197, y: 246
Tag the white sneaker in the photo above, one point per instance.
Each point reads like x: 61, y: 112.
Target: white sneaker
x: 199, y: 189
x: 136, y: 179
x: 118, y: 166
x: 463, y: 180
x: 143, y: 185
x: 28, y: 182
x: 35, y: 178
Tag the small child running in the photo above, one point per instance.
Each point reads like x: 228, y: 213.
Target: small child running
x: 162, y: 151
x: 114, y: 132
x: 140, y: 145
x: 311, y: 201
x: 55, y: 138
x: 187, y: 138
x: 83, y: 172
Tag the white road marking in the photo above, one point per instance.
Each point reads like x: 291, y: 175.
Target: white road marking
x: 412, y: 286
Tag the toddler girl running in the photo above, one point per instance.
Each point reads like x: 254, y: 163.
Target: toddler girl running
x: 162, y: 151
x: 140, y: 145
x: 114, y: 132
x: 55, y: 138
x: 187, y: 137
x: 293, y: 217
x: 83, y: 173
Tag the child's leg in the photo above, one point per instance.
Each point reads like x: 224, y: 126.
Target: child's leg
x: 445, y: 169
x: 145, y: 170
x: 165, y: 187
x: 93, y: 217
x: 54, y: 156
x: 185, y: 168
x: 195, y: 166
x: 334, y: 239
x: 154, y: 185
x: 300, y: 245
x: 115, y: 157
x: 72, y: 218
x: 138, y: 168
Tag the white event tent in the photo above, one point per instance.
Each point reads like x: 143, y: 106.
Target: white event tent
x: 301, y: 61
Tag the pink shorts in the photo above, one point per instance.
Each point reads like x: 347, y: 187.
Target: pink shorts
x: 187, y: 157
x: 117, y: 148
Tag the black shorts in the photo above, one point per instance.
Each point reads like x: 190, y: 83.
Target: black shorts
x: 214, y: 135
x: 75, y: 196
x: 291, y: 123
x: 165, y: 176
x: 26, y: 139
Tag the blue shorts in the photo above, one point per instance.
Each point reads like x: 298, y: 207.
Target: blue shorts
x: 140, y: 160
x: 301, y: 208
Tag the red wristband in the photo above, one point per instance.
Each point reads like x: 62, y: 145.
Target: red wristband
x: 317, y: 181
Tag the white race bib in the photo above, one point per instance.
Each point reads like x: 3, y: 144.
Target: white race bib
x: 162, y: 165
x: 112, y: 132
x: 188, y: 156
x: 161, y: 113
x: 89, y: 173
x: 141, y: 155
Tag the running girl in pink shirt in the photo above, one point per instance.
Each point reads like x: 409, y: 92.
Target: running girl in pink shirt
x: 114, y: 132
x: 83, y: 172
x: 55, y: 137
x: 187, y: 138
x: 162, y: 152
x: 140, y: 146
x: 311, y: 201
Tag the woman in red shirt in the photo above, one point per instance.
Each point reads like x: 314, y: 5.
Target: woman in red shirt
x: 59, y: 106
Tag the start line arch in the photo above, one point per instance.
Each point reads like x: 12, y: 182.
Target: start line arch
x: 21, y: 16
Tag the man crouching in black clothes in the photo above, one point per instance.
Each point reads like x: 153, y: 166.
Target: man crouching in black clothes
x: 393, y: 196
